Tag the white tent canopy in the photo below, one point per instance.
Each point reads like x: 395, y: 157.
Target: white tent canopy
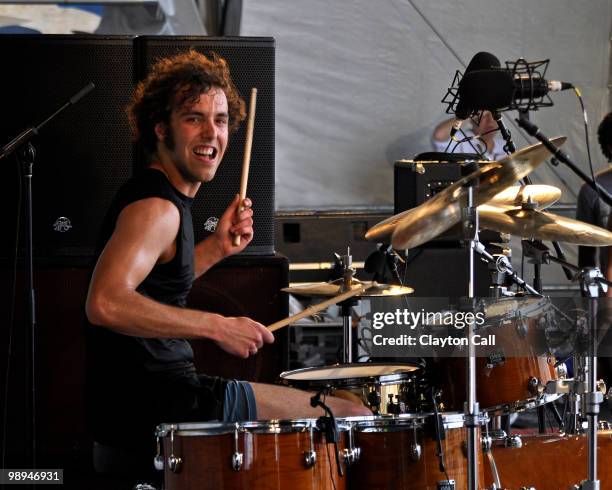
x: 359, y: 84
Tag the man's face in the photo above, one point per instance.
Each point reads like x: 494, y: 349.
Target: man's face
x: 487, y: 123
x: 197, y: 136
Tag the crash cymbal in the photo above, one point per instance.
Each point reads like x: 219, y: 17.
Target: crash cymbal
x: 542, y: 225
x: 542, y: 196
x: 442, y: 211
x: 385, y: 229
x: 334, y: 288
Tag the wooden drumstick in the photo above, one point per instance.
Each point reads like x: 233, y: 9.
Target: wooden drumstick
x: 247, y: 155
x: 311, y: 310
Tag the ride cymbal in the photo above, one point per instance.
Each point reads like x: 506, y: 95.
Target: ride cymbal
x: 542, y: 225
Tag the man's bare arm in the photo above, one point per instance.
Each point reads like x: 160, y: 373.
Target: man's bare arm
x: 442, y: 131
x: 144, y: 235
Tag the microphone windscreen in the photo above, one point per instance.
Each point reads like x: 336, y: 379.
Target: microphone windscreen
x: 487, y: 89
x: 481, y: 61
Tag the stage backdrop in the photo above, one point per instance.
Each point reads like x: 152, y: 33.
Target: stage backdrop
x: 359, y: 83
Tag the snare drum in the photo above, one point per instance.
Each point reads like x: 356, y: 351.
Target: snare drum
x: 274, y: 454
x: 383, y: 388
x: 400, y: 452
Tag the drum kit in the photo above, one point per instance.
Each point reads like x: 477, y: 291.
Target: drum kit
x: 427, y: 430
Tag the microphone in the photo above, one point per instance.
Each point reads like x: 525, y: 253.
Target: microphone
x: 501, y: 89
x: 481, y: 61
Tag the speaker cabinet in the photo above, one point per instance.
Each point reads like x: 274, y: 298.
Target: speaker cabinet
x: 244, y: 286
x: 444, y: 272
x: 84, y: 154
x: 248, y: 286
x: 252, y: 64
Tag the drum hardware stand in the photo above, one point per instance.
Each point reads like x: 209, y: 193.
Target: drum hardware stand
x: 469, y: 225
x: 26, y: 156
x: 585, y: 396
x: 487, y: 444
x: 345, y: 307
x: 501, y: 265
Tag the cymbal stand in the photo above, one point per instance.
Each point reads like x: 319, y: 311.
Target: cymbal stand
x: 584, y: 389
x: 345, y: 307
x: 502, y: 265
x: 469, y: 224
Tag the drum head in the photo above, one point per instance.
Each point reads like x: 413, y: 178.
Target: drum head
x: 349, y: 371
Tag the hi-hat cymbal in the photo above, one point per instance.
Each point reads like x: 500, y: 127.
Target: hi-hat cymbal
x: 542, y: 225
x: 542, y: 196
x: 334, y: 288
x: 442, y: 211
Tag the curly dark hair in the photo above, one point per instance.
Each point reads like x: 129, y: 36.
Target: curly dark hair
x: 174, y: 82
x: 604, y: 134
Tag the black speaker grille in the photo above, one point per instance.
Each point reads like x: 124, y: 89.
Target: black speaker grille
x: 252, y: 64
x: 83, y: 155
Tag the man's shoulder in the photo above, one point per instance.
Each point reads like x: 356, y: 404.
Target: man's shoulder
x: 147, y: 183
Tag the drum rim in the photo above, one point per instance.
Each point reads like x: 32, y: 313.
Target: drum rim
x: 272, y: 426
x: 388, y: 423
x: 386, y: 378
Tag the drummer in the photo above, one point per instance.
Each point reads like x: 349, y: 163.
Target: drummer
x: 141, y: 370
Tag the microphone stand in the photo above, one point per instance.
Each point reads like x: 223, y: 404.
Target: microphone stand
x: 534, y: 131
x: 26, y: 157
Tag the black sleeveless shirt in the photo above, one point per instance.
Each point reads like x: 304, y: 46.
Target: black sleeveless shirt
x: 167, y: 283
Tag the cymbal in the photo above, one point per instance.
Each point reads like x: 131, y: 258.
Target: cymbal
x: 442, y: 211
x: 542, y: 225
x: 385, y: 228
x: 334, y: 288
x: 542, y: 196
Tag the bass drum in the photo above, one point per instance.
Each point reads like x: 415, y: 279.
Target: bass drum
x: 275, y: 454
x: 550, y: 462
x: 400, y: 452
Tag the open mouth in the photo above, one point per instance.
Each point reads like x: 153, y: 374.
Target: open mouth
x: 205, y: 152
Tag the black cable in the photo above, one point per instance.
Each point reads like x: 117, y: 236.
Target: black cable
x: 315, y: 401
x: 11, y: 322
x: 586, y: 137
x: 329, y: 461
x: 331, y: 472
x: 438, y: 435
